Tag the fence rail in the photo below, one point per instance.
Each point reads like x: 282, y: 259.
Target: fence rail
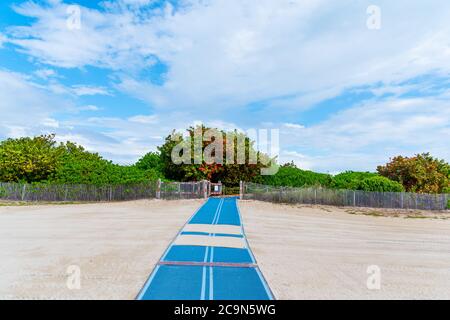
x: 92, y: 193
x: 353, y: 198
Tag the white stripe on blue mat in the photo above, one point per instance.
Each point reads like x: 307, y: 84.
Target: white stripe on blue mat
x: 199, y: 282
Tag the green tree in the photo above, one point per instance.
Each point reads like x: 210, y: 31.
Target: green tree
x: 150, y: 161
x: 29, y: 159
x: 79, y: 166
x: 41, y: 159
x: 379, y: 184
x: 421, y: 173
x: 229, y: 174
x: 290, y: 176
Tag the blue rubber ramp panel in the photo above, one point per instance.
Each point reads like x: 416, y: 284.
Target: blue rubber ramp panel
x: 175, y: 283
x: 229, y: 214
x: 245, y: 285
x: 232, y: 255
x: 208, y: 260
x: 206, y: 213
x: 185, y: 253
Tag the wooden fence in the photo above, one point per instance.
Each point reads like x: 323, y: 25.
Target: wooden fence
x: 92, y: 193
x: 353, y: 198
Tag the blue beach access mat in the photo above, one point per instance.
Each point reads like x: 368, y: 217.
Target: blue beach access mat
x: 208, y: 260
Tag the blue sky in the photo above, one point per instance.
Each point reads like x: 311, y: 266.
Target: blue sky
x: 343, y: 96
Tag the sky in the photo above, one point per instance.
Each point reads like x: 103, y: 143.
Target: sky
x: 119, y: 76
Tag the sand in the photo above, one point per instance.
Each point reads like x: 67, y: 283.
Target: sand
x: 304, y: 252
x: 324, y: 253
x: 115, y: 245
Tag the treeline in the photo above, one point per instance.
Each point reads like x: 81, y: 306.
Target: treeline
x: 291, y: 176
x: 42, y: 160
x: 420, y: 174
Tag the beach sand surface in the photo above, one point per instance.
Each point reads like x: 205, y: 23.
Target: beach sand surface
x: 310, y: 252
x: 113, y: 246
x: 304, y: 252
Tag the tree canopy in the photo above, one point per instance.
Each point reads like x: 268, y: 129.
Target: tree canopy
x: 227, y: 166
x: 42, y: 159
x: 229, y: 157
x: 29, y: 159
x: 421, y: 173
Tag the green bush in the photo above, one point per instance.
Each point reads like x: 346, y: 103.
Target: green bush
x: 92, y: 169
x: 350, y: 180
x: 291, y: 176
x: 151, y: 161
x: 447, y: 190
x: 379, y: 184
x: 41, y: 159
x: 28, y: 159
x: 3, y: 192
x: 230, y: 191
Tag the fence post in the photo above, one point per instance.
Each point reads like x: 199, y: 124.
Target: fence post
x: 66, y: 191
x: 209, y: 188
x: 354, y: 198
x: 24, y: 189
x: 205, y: 192
x: 158, y: 190
x: 401, y: 200
x: 241, y: 190
x: 110, y: 193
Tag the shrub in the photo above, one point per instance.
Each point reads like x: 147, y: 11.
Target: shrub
x: 291, y: 176
x: 89, y: 168
x: 350, y: 179
x: 230, y: 191
x: 379, y: 184
x: 28, y: 159
x: 151, y: 161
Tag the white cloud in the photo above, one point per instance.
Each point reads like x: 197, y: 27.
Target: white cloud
x: 45, y: 73
x: 89, y: 107
x: 300, y: 160
x: 81, y: 90
x: 367, y: 135
x: 2, y: 40
x: 293, y: 125
x: 24, y: 105
x: 50, y: 123
x: 297, y: 51
x: 144, y: 119
x: 286, y: 54
x: 16, y: 131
